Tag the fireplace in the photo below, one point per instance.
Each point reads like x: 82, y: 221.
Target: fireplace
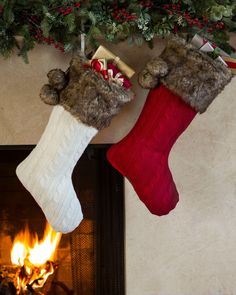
x: 91, y: 258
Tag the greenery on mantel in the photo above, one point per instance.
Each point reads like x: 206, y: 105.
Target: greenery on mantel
x: 60, y: 23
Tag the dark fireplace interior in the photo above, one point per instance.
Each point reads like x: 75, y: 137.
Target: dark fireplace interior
x: 91, y: 258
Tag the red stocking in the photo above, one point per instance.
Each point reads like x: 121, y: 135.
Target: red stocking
x: 142, y: 156
x: 192, y: 81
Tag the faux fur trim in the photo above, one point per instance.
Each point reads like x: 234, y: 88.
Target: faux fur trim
x: 88, y: 97
x: 192, y: 74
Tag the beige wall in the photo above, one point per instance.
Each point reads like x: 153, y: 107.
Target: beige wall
x: 190, y: 251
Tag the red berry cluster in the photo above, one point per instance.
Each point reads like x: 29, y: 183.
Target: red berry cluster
x: 121, y: 15
x: 147, y: 4
x: 33, y: 19
x: 205, y: 19
x: 68, y: 10
x: 176, y: 9
x: 203, y: 23
x: 219, y: 25
x: 172, y: 7
x: 216, y: 26
x: 195, y: 21
x: 200, y: 23
x: 175, y: 29
x: 48, y: 40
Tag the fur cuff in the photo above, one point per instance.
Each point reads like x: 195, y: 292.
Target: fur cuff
x: 188, y: 72
x: 86, y: 95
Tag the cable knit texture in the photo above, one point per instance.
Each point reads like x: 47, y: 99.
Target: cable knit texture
x: 190, y: 80
x: 86, y: 102
x: 46, y: 172
x: 188, y: 72
x: 142, y: 156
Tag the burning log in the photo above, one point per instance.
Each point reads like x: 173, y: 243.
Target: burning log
x: 26, y: 280
x: 32, y: 277
x: 9, y: 285
x: 32, y: 264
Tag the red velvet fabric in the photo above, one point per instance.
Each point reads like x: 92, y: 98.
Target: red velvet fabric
x: 142, y: 156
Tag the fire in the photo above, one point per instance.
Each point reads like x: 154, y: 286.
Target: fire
x: 34, y: 257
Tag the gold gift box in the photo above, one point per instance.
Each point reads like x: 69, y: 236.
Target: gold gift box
x: 231, y: 62
x: 103, y: 53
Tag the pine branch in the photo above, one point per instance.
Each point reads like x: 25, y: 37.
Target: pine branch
x: 60, y: 22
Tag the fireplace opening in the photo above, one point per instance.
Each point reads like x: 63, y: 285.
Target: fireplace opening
x: 88, y: 261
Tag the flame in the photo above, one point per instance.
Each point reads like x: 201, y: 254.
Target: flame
x: 34, y: 256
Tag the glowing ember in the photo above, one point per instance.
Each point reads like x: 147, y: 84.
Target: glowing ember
x: 34, y: 257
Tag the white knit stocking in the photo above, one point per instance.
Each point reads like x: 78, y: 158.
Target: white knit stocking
x: 46, y: 172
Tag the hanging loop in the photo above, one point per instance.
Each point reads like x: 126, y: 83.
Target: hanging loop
x: 82, y: 44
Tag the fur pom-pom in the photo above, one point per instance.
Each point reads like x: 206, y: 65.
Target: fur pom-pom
x: 155, y: 69
x: 57, y: 79
x: 147, y: 80
x: 49, y: 95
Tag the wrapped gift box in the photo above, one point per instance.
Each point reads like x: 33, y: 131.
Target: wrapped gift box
x: 103, y: 53
x: 199, y: 42
x: 207, y: 47
x: 231, y: 62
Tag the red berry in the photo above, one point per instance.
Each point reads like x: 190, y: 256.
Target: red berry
x: 69, y: 9
x: 61, y: 10
x: 175, y: 30
x: 220, y: 25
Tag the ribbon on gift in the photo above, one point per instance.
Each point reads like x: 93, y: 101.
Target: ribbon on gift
x: 100, y: 66
x: 116, y: 76
x: 110, y: 72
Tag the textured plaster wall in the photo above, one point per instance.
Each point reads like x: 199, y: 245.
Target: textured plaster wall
x: 192, y: 251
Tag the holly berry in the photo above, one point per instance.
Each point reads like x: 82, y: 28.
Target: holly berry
x: 175, y: 30
x: 68, y: 10
x: 205, y: 19
x: 60, y: 10
x: 219, y: 25
x: 122, y: 15
x: 147, y: 4
x: 77, y: 4
x: 210, y: 30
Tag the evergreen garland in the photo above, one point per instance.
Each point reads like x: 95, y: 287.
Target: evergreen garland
x: 60, y: 23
